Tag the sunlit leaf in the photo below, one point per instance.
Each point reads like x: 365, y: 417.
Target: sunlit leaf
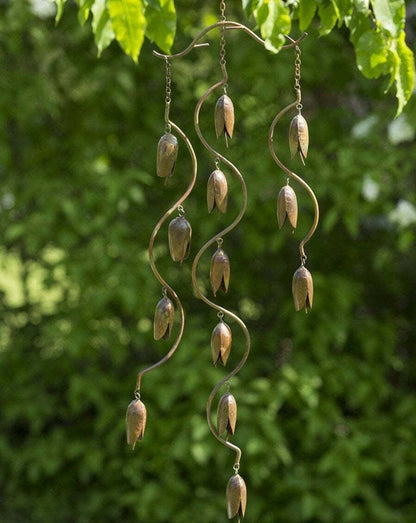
x: 372, y: 54
x: 161, y: 23
x: 84, y: 10
x: 328, y: 17
x: 274, y: 20
x: 307, y: 10
x: 362, y: 5
x: 59, y: 9
x: 128, y: 21
x: 384, y: 15
x: 405, y: 73
x: 101, y: 25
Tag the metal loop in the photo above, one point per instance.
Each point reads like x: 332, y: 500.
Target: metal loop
x: 219, y: 242
x: 181, y: 210
x: 236, y: 468
x: 164, y: 291
x: 303, y: 259
x: 220, y: 315
x: 137, y: 394
x: 217, y: 162
x: 228, y: 385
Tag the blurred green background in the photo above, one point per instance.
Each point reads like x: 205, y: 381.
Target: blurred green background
x: 327, y: 405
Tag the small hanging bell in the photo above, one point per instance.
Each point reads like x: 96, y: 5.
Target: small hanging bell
x: 299, y: 137
x: 224, y: 117
x: 167, y: 153
x: 220, y: 271
x: 179, y: 234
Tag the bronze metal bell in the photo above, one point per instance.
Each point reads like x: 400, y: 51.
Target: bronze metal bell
x: 220, y: 271
x: 227, y: 414
x: 236, y: 496
x: 217, y: 191
x: 167, y: 153
x: 299, y: 137
x: 224, y: 117
x: 163, y: 321
x: 287, y: 206
x: 179, y: 234
x: 135, y: 422
x: 221, y: 338
x: 302, y: 288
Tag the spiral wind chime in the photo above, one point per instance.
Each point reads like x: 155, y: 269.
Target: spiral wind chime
x: 179, y: 238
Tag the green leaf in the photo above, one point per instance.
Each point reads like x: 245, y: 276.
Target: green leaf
x: 358, y: 24
x: 372, y: 54
x: 405, y: 73
x: 344, y: 8
x: 101, y: 25
x: 249, y: 6
x: 384, y: 15
x: 328, y: 17
x: 84, y: 10
x: 362, y: 6
x: 274, y: 20
x: 59, y: 9
x: 307, y: 10
x: 398, y: 9
x: 161, y: 24
x: 128, y: 22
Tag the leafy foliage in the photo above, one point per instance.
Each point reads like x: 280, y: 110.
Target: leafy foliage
x: 327, y: 411
x: 377, y: 29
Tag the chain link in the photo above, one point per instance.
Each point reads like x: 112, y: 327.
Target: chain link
x: 298, y: 63
x: 222, y: 44
x: 168, y: 94
x: 222, y: 11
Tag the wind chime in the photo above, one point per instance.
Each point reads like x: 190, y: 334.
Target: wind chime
x: 179, y: 238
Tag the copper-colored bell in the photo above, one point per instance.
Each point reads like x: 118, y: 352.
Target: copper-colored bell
x: 167, y: 153
x: 236, y: 496
x: 302, y: 288
x: 135, y: 422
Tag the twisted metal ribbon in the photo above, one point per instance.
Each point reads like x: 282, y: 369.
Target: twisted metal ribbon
x: 290, y: 173
x: 155, y: 270
x: 225, y: 25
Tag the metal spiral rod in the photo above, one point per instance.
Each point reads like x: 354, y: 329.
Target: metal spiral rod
x: 156, y: 272
x: 290, y: 173
x: 210, y: 242
x: 223, y: 25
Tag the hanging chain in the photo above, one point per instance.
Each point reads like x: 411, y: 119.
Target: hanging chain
x: 297, y: 78
x: 168, y: 80
x: 222, y: 45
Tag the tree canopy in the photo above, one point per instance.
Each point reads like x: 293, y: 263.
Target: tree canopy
x: 376, y: 29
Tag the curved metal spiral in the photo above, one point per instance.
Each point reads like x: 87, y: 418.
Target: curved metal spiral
x: 296, y: 177
x: 226, y: 25
x: 210, y: 242
x: 152, y: 262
